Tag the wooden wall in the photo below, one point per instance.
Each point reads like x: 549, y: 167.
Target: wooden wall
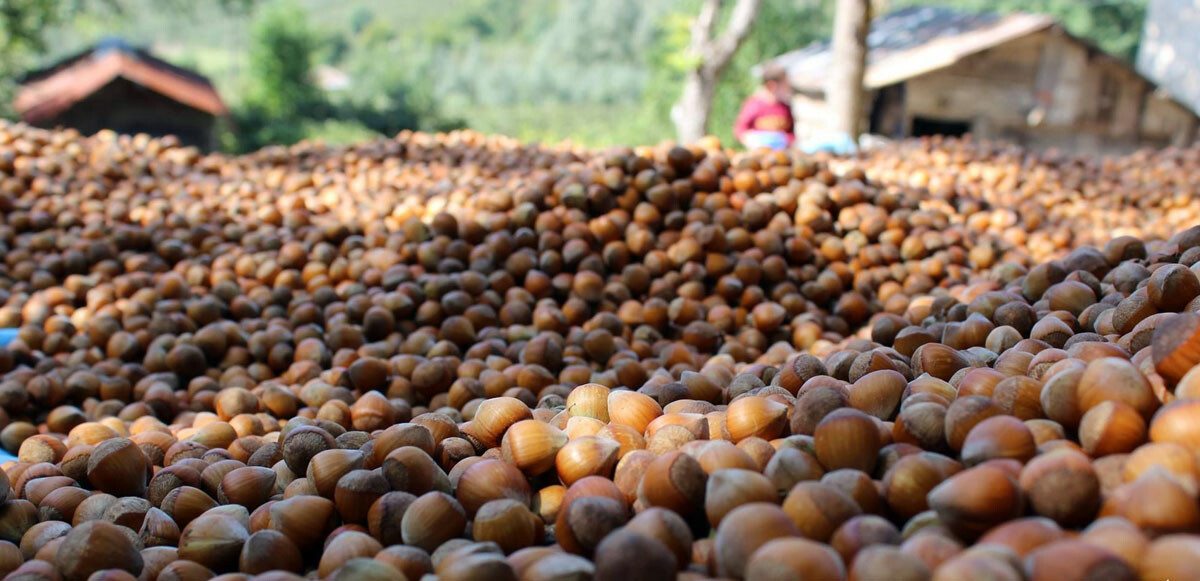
x: 1166, y: 121
x: 993, y: 90
x: 127, y: 107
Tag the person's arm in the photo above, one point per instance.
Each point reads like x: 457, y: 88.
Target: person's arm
x: 745, y: 118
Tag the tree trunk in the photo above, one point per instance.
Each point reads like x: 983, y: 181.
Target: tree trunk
x: 691, y: 113
x: 695, y: 106
x: 844, y: 95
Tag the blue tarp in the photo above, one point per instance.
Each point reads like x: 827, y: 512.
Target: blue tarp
x: 6, y: 336
x: 840, y: 144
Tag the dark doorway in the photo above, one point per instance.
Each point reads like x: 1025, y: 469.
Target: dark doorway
x: 923, y: 126
x: 887, y: 112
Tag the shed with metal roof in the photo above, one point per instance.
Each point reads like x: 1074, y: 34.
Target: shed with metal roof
x: 1018, y: 77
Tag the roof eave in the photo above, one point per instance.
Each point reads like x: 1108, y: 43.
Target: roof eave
x: 931, y: 56
x: 47, y: 97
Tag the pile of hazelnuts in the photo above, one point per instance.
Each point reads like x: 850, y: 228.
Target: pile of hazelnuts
x: 463, y: 357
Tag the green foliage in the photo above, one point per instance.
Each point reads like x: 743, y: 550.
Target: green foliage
x: 338, y: 132
x: 493, y: 19
x: 283, y: 103
x: 591, y: 124
x: 670, y: 61
x: 362, y: 17
x: 281, y: 63
x: 21, y: 26
x: 543, y: 51
x: 26, y: 26
x: 283, y: 95
x: 22, y: 23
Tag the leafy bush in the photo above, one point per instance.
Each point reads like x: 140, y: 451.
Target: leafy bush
x: 283, y: 104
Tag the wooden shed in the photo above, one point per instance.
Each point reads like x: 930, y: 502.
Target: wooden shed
x: 1018, y: 77
x: 116, y: 86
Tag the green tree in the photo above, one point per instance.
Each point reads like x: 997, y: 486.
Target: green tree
x: 22, y: 23
x: 782, y: 26
x: 282, y: 94
x: 361, y: 18
x: 281, y: 62
x: 283, y: 104
x: 390, y: 98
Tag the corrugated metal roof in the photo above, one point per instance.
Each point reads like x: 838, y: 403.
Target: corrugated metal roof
x: 914, y: 41
x: 47, y: 92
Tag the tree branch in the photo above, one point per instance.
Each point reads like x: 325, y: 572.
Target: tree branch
x: 719, y: 52
x: 703, y: 26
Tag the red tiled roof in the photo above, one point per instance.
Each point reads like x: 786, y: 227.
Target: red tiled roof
x: 44, y: 98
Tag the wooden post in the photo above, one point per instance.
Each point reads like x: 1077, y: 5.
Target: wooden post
x: 1186, y: 134
x: 845, y: 94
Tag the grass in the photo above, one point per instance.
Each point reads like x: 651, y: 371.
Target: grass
x: 336, y: 132
x: 589, y: 124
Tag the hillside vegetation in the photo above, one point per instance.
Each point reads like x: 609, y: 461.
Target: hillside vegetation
x: 593, y: 72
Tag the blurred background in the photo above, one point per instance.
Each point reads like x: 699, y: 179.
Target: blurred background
x: 592, y: 72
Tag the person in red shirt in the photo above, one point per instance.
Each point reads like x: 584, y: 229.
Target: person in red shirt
x: 766, y: 116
